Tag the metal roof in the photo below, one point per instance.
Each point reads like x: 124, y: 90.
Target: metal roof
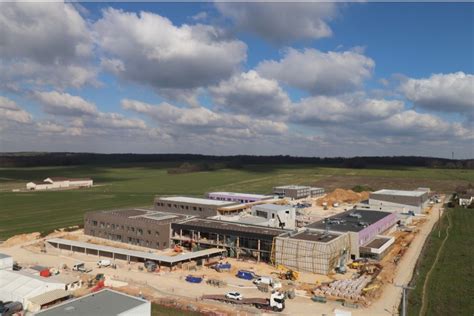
x: 3, y: 256
x: 400, y: 192
x: 317, y: 236
x: 103, y: 303
x: 49, y: 297
x: 292, y: 187
x: 185, y: 199
x: 272, y: 207
x: 240, y: 195
x: 138, y: 254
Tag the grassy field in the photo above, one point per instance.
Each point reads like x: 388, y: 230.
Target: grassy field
x: 450, y: 288
x: 125, y: 185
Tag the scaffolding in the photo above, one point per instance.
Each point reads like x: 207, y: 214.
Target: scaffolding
x: 316, y: 252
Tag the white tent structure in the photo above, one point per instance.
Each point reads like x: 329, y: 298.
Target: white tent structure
x: 18, y: 286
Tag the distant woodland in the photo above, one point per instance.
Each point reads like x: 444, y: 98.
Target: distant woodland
x: 189, y: 162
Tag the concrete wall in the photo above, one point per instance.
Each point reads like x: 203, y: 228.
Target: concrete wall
x: 146, y: 233
x: 289, y: 219
x: 387, y: 206
x: 186, y: 208
x: 310, y: 256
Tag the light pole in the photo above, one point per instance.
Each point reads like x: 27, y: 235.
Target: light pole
x: 404, y: 290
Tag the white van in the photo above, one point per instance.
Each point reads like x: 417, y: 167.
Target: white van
x: 103, y: 263
x: 263, y: 280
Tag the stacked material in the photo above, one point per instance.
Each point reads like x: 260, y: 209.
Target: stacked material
x: 343, y: 196
x: 347, y: 289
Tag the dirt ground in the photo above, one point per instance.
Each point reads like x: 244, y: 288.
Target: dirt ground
x: 171, y: 289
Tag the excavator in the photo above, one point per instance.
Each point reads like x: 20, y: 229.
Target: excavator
x: 286, y: 273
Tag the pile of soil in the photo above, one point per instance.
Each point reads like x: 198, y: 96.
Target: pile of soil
x: 20, y: 239
x: 343, y: 196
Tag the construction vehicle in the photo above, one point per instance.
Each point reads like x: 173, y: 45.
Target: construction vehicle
x: 276, y: 302
x: 287, y: 273
x: 81, y: 267
x: 177, y: 249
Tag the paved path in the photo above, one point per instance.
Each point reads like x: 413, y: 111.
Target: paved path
x: 388, y: 303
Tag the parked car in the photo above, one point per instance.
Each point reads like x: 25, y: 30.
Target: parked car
x: 246, y: 275
x: 234, y: 295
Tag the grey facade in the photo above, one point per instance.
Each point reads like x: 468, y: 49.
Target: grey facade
x: 190, y: 206
x: 399, y: 201
x: 140, y: 227
x: 297, y: 191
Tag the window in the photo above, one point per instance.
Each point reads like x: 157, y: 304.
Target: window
x: 157, y: 233
x: 164, y: 243
x: 102, y: 224
x: 94, y: 223
x: 149, y: 232
x: 194, y: 208
x: 157, y: 243
x: 169, y: 204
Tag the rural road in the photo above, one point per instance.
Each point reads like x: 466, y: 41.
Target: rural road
x: 391, y: 295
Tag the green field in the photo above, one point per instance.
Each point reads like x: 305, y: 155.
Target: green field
x: 450, y: 289
x: 125, y: 185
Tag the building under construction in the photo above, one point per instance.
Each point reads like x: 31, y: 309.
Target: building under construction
x: 311, y: 251
x: 240, y: 240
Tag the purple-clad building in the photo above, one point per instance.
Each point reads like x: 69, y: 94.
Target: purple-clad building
x: 363, y: 226
x: 237, y: 197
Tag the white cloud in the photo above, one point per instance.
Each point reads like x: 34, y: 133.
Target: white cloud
x: 281, y: 22
x: 319, y: 73
x: 344, y: 109
x: 45, y: 44
x: 248, y: 93
x: 203, y: 121
x: 10, y: 111
x: 148, y: 49
x: 64, y: 104
x: 452, y: 92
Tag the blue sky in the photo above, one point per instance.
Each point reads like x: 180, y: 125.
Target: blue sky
x: 252, y: 78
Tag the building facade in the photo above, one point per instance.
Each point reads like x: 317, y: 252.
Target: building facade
x: 237, y: 197
x: 282, y: 216
x: 139, y: 227
x: 59, y: 183
x: 297, y: 191
x: 399, y: 201
x: 190, y: 206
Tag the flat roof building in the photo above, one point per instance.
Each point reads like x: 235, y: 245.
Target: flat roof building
x: 283, y: 216
x: 399, y: 200
x: 142, y: 227
x: 297, y: 191
x: 311, y: 251
x: 105, y: 303
x: 361, y: 225
x: 237, y: 197
x: 190, y: 205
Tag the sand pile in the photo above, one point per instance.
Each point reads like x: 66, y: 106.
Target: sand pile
x: 20, y: 239
x: 343, y: 196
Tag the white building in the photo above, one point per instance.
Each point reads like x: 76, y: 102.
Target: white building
x: 399, y: 201
x: 60, y: 183
x: 283, y: 216
x: 466, y: 199
x: 105, y: 302
x: 18, y: 286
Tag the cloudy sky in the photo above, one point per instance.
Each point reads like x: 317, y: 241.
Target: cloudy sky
x: 306, y: 79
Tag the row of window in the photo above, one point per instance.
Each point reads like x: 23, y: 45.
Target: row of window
x: 132, y: 229
x: 183, y: 207
x: 129, y: 240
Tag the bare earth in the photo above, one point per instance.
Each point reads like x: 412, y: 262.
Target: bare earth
x: 172, y: 285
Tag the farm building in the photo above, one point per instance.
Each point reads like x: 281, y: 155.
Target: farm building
x: 143, y: 227
x: 362, y: 226
x: 399, y: 200
x: 283, y: 216
x: 311, y: 251
x: 105, y: 302
x: 59, y: 183
x: 297, y: 191
x: 192, y: 206
x: 237, y: 197
x: 240, y: 240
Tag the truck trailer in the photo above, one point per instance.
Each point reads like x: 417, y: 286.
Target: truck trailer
x: 276, y: 302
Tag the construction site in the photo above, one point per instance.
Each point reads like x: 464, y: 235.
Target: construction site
x: 347, y: 260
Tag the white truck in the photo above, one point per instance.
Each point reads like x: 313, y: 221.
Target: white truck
x: 276, y: 302
x: 268, y: 281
